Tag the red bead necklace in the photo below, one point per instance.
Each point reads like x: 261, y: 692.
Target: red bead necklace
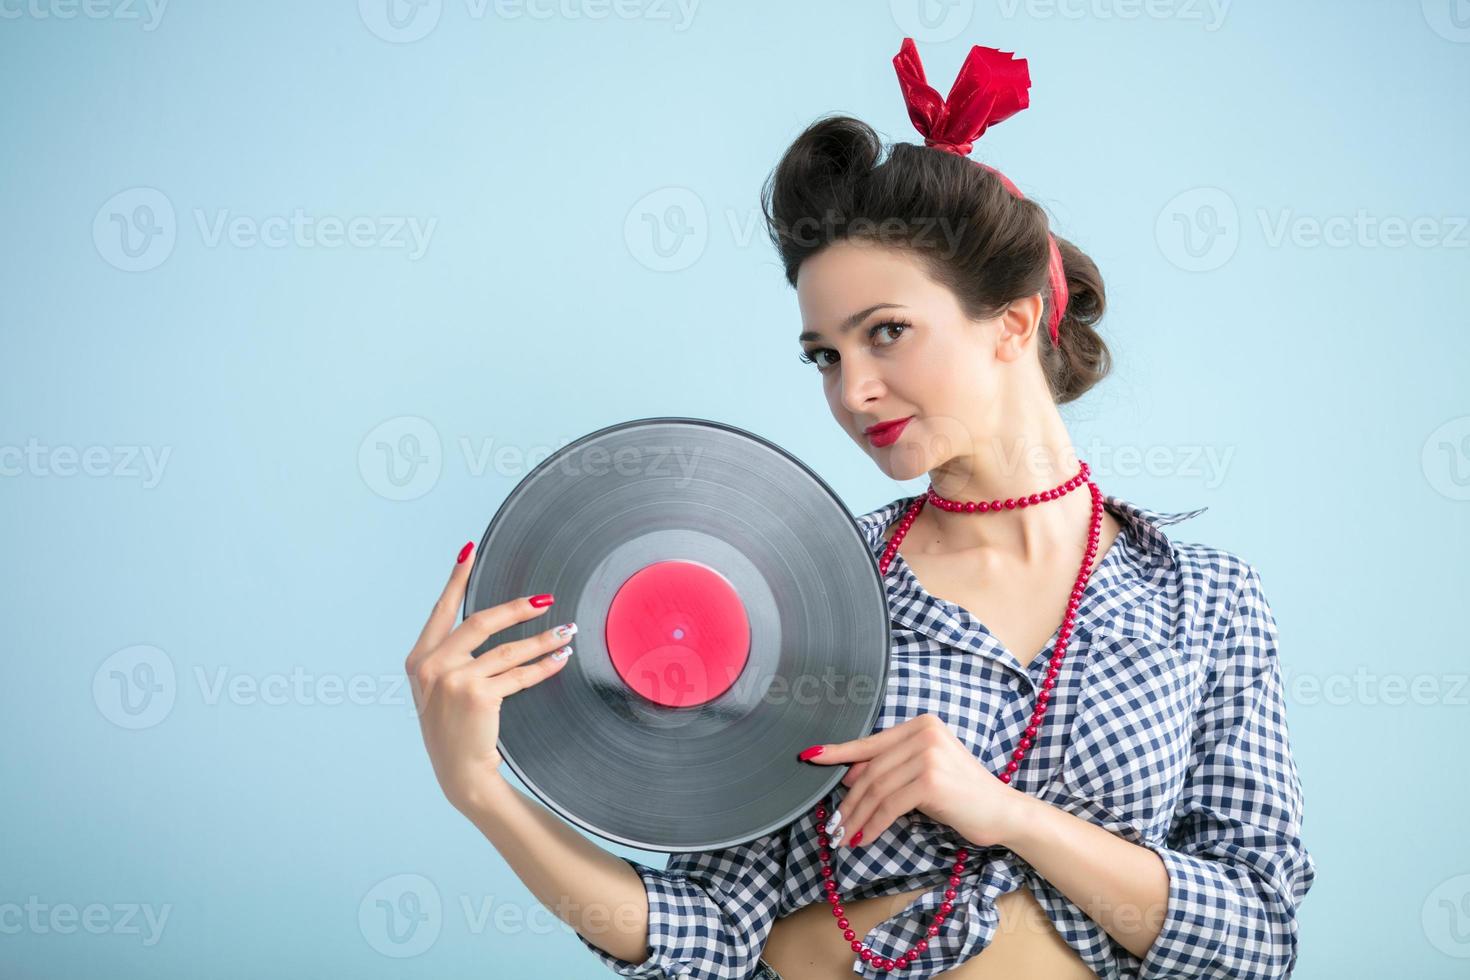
x: 1042, y: 697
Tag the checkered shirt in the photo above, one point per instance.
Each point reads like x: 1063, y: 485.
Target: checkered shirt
x: 1167, y: 727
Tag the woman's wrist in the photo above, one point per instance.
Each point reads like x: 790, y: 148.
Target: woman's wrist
x: 1016, y: 827
x: 488, y: 803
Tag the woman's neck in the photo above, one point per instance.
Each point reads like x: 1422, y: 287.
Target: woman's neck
x: 995, y: 472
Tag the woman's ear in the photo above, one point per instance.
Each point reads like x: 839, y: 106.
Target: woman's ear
x: 1018, y: 324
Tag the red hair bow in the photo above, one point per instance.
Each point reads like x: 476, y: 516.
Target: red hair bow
x: 992, y: 86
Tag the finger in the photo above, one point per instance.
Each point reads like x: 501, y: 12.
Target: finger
x: 859, y: 748
x: 873, y: 781
x: 865, y: 798
x: 898, y: 796
x: 520, y: 678
x: 834, y: 823
x: 502, y: 658
x: 439, y: 667
x: 459, y: 646
x: 884, y: 773
x: 446, y: 607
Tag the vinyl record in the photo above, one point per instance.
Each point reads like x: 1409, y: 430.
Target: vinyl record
x: 729, y: 614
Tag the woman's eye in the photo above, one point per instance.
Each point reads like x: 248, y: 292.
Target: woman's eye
x: 814, y: 357
x: 890, y: 325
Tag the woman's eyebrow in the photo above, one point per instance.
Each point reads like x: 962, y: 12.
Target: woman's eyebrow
x: 852, y: 321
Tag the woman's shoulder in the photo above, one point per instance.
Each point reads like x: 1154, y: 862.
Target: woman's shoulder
x: 1187, y: 593
x: 1204, y: 575
x: 1220, y: 579
x: 1231, y: 618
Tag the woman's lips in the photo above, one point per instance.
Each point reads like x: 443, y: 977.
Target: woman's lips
x: 887, y: 435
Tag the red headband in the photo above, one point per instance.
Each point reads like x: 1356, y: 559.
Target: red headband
x: 991, y: 86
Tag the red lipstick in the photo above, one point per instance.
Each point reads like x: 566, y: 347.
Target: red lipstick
x: 887, y: 433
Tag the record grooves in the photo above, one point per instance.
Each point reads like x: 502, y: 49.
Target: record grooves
x: 729, y: 614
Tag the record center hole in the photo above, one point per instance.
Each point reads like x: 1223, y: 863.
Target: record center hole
x: 678, y: 634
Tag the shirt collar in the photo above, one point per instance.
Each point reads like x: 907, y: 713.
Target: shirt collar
x: 1141, y: 611
x: 1143, y: 526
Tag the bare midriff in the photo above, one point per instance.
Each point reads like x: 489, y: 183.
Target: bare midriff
x: 807, y: 945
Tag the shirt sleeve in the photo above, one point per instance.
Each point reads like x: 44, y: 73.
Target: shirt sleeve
x: 1237, y: 867
x: 709, y: 912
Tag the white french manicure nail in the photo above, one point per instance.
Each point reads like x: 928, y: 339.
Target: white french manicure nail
x: 836, y: 837
x: 836, y: 820
x: 566, y: 630
x: 562, y: 654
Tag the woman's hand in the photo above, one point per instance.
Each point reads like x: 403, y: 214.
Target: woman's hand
x: 919, y: 765
x: 458, y: 695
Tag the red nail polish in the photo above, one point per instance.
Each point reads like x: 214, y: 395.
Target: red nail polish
x: 543, y: 600
x: 857, y: 839
x: 465, y: 552
x: 810, y: 753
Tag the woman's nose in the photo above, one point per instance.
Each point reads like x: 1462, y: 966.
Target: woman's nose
x: 860, y: 390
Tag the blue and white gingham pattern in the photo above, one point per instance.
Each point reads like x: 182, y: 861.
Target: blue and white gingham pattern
x: 1166, y: 727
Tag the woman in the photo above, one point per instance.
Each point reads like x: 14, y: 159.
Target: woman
x: 1121, y: 804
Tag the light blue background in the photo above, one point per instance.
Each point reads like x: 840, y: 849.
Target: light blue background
x: 1327, y: 383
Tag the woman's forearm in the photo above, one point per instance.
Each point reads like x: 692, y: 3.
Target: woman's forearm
x: 595, y: 892
x: 1122, y: 886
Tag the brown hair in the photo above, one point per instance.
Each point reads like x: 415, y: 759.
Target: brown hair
x: 974, y: 237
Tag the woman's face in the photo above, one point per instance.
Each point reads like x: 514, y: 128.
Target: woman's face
x: 893, y: 344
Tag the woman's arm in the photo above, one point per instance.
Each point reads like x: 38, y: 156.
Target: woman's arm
x: 1122, y: 886
x: 592, y: 890
x: 1219, y: 898
x: 706, y: 916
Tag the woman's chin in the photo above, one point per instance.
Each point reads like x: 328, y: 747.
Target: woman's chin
x: 900, y: 462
